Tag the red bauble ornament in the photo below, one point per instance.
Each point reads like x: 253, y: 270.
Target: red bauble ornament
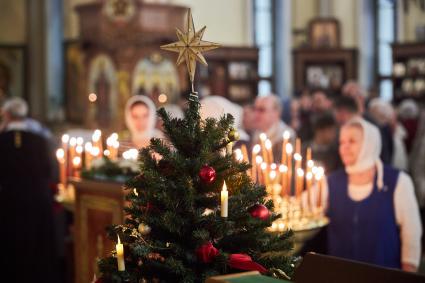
x: 259, y: 211
x: 207, y: 252
x: 207, y: 174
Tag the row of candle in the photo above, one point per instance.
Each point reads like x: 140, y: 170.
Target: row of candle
x: 280, y: 179
x: 72, y: 153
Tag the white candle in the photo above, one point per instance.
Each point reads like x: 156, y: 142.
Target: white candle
x: 283, y: 169
x: 319, y: 177
x: 286, y: 136
x: 268, y: 146
x: 265, y: 176
x: 97, y: 139
x: 87, y: 154
x: 309, y: 179
x: 113, y: 145
x: 120, y: 255
x: 289, y: 149
x: 76, y: 164
x: 72, y: 154
x: 60, y: 155
x: 300, y: 182
x: 258, y: 162
x: 224, y: 201
x: 255, y: 150
x: 229, y: 148
x: 263, y: 138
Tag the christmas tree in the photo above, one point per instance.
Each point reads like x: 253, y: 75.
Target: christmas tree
x: 193, y: 211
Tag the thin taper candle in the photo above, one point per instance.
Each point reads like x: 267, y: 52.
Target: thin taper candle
x: 224, y: 201
x: 120, y: 255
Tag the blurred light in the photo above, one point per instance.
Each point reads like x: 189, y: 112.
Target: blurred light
x: 73, y: 141
x: 162, y: 98
x: 65, y: 138
x: 60, y: 153
x: 76, y: 161
x: 92, y: 97
x: 79, y: 149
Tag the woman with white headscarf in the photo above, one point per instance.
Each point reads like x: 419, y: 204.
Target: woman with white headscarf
x: 140, y: 118
x: 373, y: 211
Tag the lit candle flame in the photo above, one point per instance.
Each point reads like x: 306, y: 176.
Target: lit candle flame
x: 309, y: 175
x: 310, y: 163
x: 88, y: 146
x: 95, y: 151
x: 300, y: 172
x: 283, y: 168
x: 76, y: 161
x: 289, y: 148
x: 268, y: 144
x: 258, y: 160
x: 298, y: 157
x: 65, y: 138
x: 60, y: 154
x: 79, y: 149
x: 256, y: 149
x: 318, y: 177
x: 96, y: 135
x: 73, y: 141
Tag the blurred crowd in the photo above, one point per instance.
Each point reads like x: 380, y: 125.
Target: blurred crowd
x: 316, y: 118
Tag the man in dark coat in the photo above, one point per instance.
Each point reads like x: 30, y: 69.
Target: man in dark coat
x: 26, y: 212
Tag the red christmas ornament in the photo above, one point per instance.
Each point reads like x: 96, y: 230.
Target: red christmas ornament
x: 206, y: 253
x: 259, y: 211
x: 207, y: 174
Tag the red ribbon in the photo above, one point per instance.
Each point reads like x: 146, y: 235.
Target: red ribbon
x: 244, y: 262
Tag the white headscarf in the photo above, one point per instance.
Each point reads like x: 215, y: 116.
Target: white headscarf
x: 370, y: 150
x: 150, y: 131
x: 216, y: 106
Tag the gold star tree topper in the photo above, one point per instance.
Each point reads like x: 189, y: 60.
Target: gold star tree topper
x: 190, y: 47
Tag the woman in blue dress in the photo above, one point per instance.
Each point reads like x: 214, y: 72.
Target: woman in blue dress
x: 373, y: 211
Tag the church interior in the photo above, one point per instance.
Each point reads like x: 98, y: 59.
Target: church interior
x: 212, y: 141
